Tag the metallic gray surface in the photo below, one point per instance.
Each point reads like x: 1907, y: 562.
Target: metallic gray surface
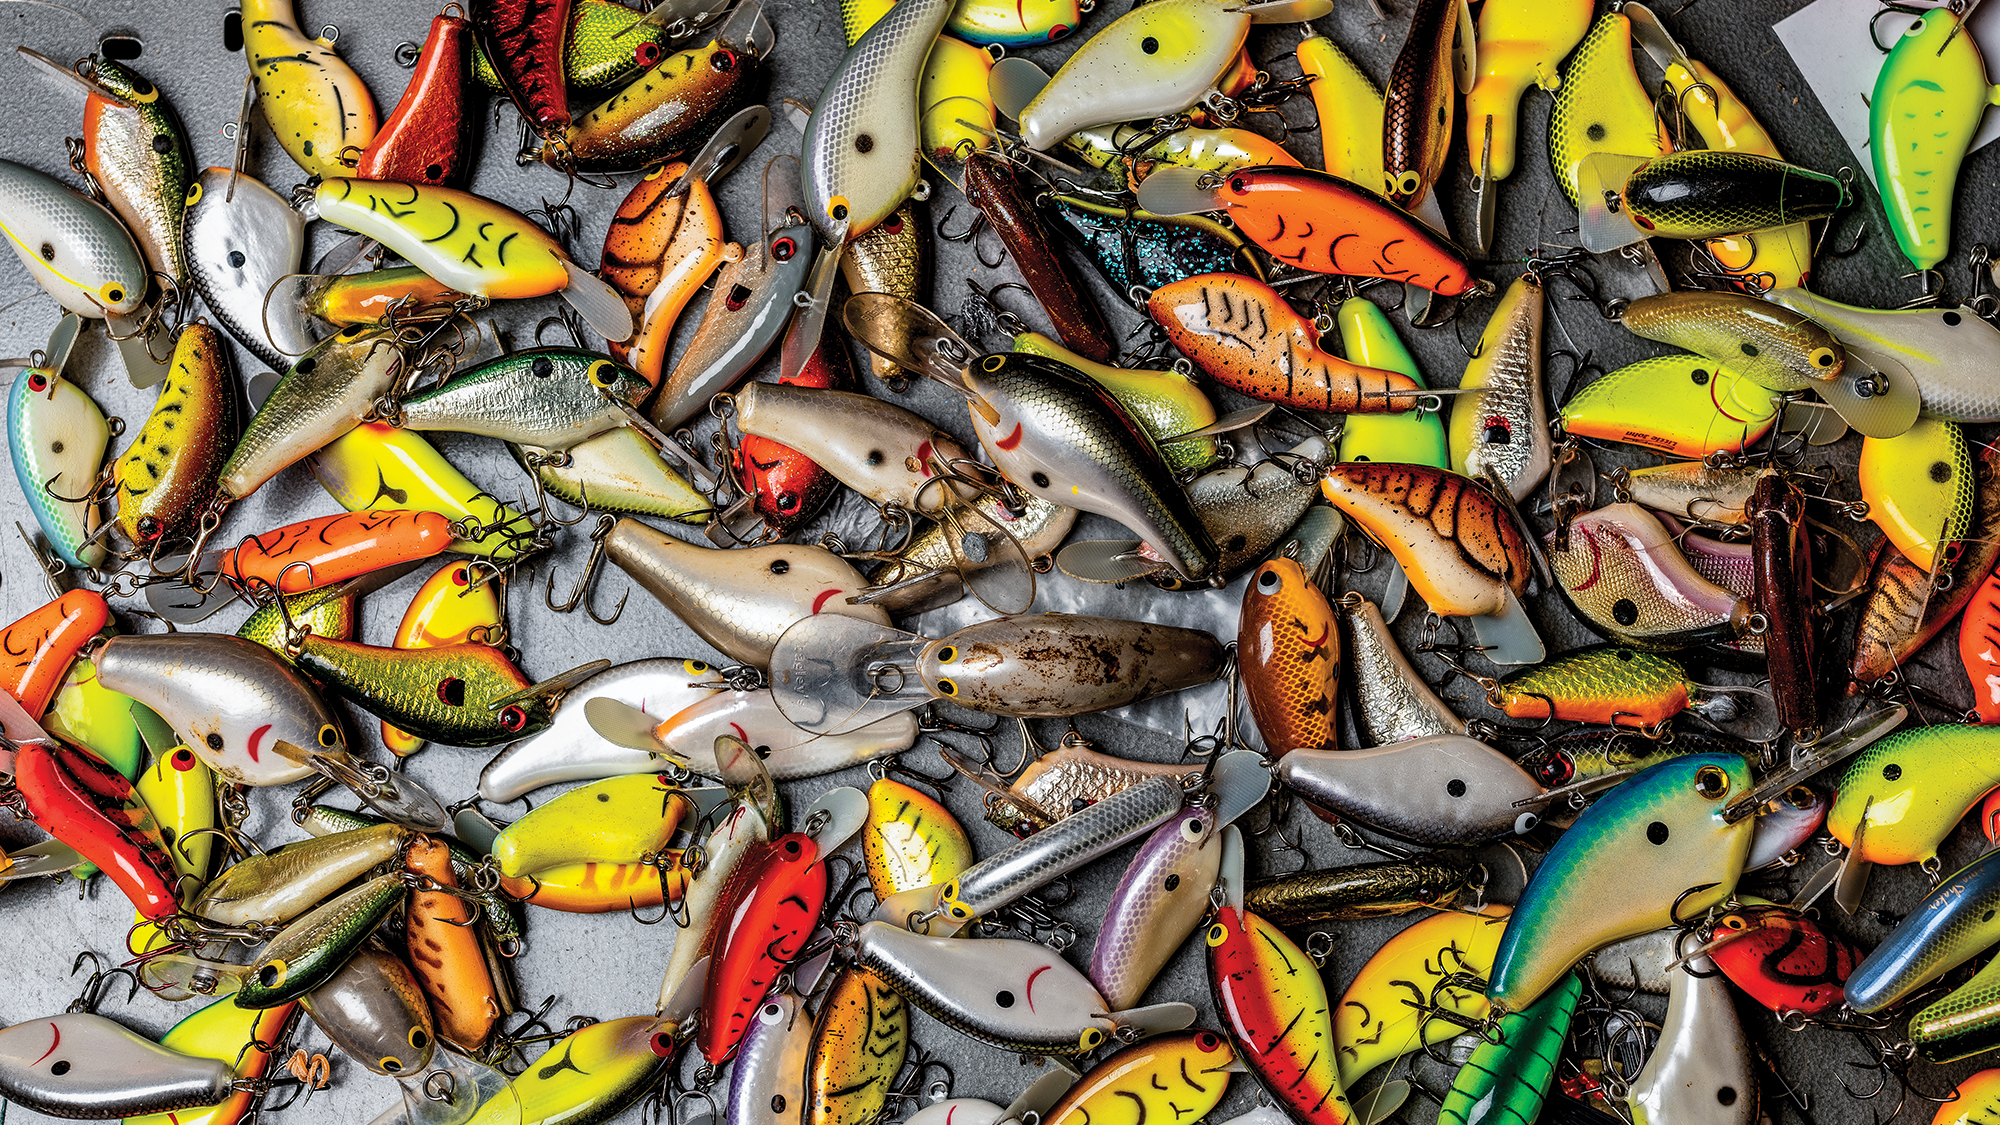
x: 1443, y: 790
x: 323, y: 396
x: 569, y: 750
x: 81, y: 1065
x: 1055, y: 851
x: 65, y: 235
x: 373, y: 1010
x: 1016, y: 994
x: 258, y: 228
x: 1703, y: 1069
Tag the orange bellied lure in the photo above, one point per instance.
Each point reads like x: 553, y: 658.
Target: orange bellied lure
x: 1288, y: 653
x: 450, y: 608
x: 37, y: 650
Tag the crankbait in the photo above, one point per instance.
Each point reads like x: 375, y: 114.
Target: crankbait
x: 1936, y: 353
x: 1320, y: 223
x: 767, y: 1081
x: 1771, y: 346
x: 448, y: 609
x: 985, y: 988
x: 1241, y: 333
x: 1167, y: 403
x: 784, y: 888
x: 446, y: 953
x: 1521, y: 44
x: 890, y: 455
x: 328, y: 550
x: 894, y: 258
x: 1783, y: 958
x: 41, y: 646
x: 688, y: 737
x: 328, y: 392
x: 1944, y: 931
x: 608, y: 44
x: 1416, y: 437
x: 1288, y: 654
x: 1919, y: 489
x: 664, y: 241
x: 827, y: 670
x: 617, y: 472
x: 1185, y: 1073
x: 1655, y: 849
x: 1905, y: 607
x: 593, y: 1074
x: 1442, y: 790
x: 376, y: 463
x: 858, y: 1046
x: 1060, y: 783
x: 242, y: 239
x: 784, y: 486
x: 57, y: 438
x: 1362, y: 890
x: 726, y: 848
x: 471, y: 244
x: 1694, y: 490
x: 910, y: 841
x: 1929, y: 98
x: 1674, y: 405
x: 79, y: 1064
x: 428, y: 136
x: 228, y: 1034
x: 1979, y: 645
x: 1145, y: 65
x: 1001, y: 192
x: 550, y: 398
x: 1418, y: 102
x: 617, y: 820
x: 1349, y: 112
x: 1602, y: 106
x: 1611, y: 755
x: 740, y: 601
x: 1377, y: 1018
x: 1609, y: 684
x: 1131, y: 246
x: 1510, y: 1072
x: 1459, y: 546
x: 860, y: 157
x: 310, y: 951
x: 168, y: 476
x: 373, y: 1010
x: 278, y: 886
x: 74, y: 247
x: 604, y: 888
x: 89, y: 806
x: 1902, y: 796
x: 329, y: 611
x: 523, y: 39
x: 316, y: 105
x: 668, y: 111
x: 1212, y: 150
x: 1696, y: 195
x: 1500, y: 429
x: 1156, y: 905
x: 1392, y: 703
x: 1624, y: 574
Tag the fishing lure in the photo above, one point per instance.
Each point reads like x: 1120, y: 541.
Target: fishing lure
x: 767, y: 1081
x: 1675, y: 405
x: 551, y: 398
x: 1902, y: 796
x: 275, y: 887
x: 1611, y: 755
x: 168, y: 476
x: 1521, y: 44
x: 137, y: 155
x: 687, y: 98
x: 727, y: 847
x: 1602, y: 106
x: 447, y: 610
x: 1460, y: 548
x: 402, y: 294
x: 228, y: 1034
x: 664, y: 241
x: 1062, y: 782
x: 242, y: 239
x: 784, y: 892
x: 1432, y: 959
x: 751, y: 305
x: 472, y: 244
x: 1959, y: 1025
x: 888, y: 454
x: 1181, y: 1073
x: 57, y: 437
x: 608, y: 44
x: 92, y: 808
x: 314, y: 102
x: 1511, y: 1072
x: 1129, y: 150
x: 1500, y: 430
x: 1905, y: 608
x: 910, y: 841
x: 991, y: 21
x: 1319, y: 222
x: 81, y: 1064
x: 99, y: 720
x: 524, y: 41
x: 1696, y: 195
x: 1933, y: 355
x: 1392, y: 703
x: 616, y: 820
x: 74, y: 247
x: 428, y: 136
x: 373, y: 1010
x: 1288, y: 653
x: 604, y: 888
x: 330, y: 611
x: 594, y: 1073
x: 859, y: 161
x: 311, y: 950
x: 1418, y: 102
x: 180, y: 791
x: 786, y: 486
x: 330, y: 549
x: 688, y: 737
x: 858, y: 1046
x: 619, y: 471
x: 1362, y: 890
x: 1771, y: 346
x: 1443, y: 790
x: 1416, y: 437
x: 1694, y: 490
x: 1780, y: 956
x: 376, y: 462
x: 328, y: 392
x: 1271, y: 996
x: 1607, y: 878
x: 1167, y: 403
x: 1150, y: 915
x: 1131, y: 246
x: 739, y: 601
x: 1624, y: 575
x: 996, y: 186
x: 1929, y: 98
x: 1349, y: 110
x: 40, y: 647
x: 1979, y: 650
x: 1919, y: 488
x: 1609, y: 684
x: 1241, y: 333
x: 1943, y: 932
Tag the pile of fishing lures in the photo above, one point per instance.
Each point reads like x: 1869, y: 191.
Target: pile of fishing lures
x: 880, y: 531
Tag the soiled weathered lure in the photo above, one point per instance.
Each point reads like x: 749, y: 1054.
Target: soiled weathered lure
x: 888, y: 454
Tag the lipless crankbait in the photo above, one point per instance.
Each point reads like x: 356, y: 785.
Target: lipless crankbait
x: 859, y: 1043
x: 427, y: 138
x: 1182, y: 1073
x: 1275, y: 1004
x: 450, y: 608
x: 325, y: 394
x: 1946, y: 930
x: 374, y: 1011
x: 1919, y: 487
x: 1392, y: 702
x: 617, y: 820
x: 1442, y: 790
x: 41, y: 646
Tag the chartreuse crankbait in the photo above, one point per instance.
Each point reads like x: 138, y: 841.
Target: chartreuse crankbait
x: 377, y: 463
x: 167, y: 477
x: 1415, y: 437
x: 57, y: 436
x: 1435, y: 956
x: 910, y: 841
x: 1654, y: 849
x: 616, y: 820
x: 1522, y: 43
x: 1509, y: 1072
x: 1930, y: 96
x: 1184, y: 1073
x: 1696, y: 195
x: 316, y: 105
x: 1349, y: 108
x: 1602, y: 106
x: 1899, y: 800
x: 608, y: 44
x: 1919, y: 488
x: 450, y: 608
x: 593, y: 1074
x: 1677, y: 405
x: 1460, y: 548
x: 73, y: 246
x: 1610, y: 684
x: 471, y: 244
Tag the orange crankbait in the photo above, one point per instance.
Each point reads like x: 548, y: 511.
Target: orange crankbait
x: 335, y: 548
x: 1288, y: 651
x: 40, y: 647
x: 1242, y: 334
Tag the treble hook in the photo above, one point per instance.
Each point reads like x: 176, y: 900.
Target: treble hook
x: 581, y: 593
x: 93, y: 986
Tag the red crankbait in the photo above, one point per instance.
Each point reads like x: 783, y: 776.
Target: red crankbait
x: 786, y: 889
x: 1781, y: 957
x: 524, y: 39
x: 427, y: 139
x: 92, y: 808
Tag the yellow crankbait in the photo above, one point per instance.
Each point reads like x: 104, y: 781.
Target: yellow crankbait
x: 1602, y: 106
x: 1919, y: 488
x: 1350, y: 114
x: 376, y: 465
x: 315, y: 103
x: 471, y: 244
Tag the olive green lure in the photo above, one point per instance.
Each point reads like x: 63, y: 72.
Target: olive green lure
x: 445, y: 694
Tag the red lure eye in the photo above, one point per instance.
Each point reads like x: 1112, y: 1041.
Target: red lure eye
x: 451, y: 689
x: 783, y: 248
x: 513, y: 719
x: 183, y: 759
x: 38, y: 382
x: 647, y: 53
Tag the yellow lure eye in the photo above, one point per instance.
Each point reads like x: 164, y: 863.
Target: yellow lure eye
x: 328, y: 736
x: 947, y: 687
x: 1711, y: 782
x: 193, y: 195
x: 1217, y: 934
x: 603, y: 373
x: 947, y: 654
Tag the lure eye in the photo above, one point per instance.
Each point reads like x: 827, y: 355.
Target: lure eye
x: 1735, y: 922
x: 788, y: 501
x: 1822, y: 358
x: 418, y: 1039
x: 183, y: 759
x: 193, y: 195
x: 785, y: 248
x: 695, y: 667
x: 947, y: 687
x: 1409, y: 182
x: 1217, y: 934
x: 1268, y: 580
x: 1799, y: 797
x: 1711, y: 782
x: 837, y: 207
x: 1237, y: 185
x: 657, y: 170
x: 993, y: 363
x: 451, y: 690
x: 661, y: 1044
x: 724, y: 61
x: 1554, y: 770
x: 328, y: 736
x: 38, y: 382
x: 1091, y: 1039
x: 271, y: 975
x: 114, y: 293
x: 1208, y: 1041
x: 148, y: 528
x: 738, y: 296
x: 603, y: 374
x: 947, y: 654
x: 1192, y: 829
x: 1525, y: 823
x: 512, y: 719
x: 646, y: 54
x: 392, y: 1065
